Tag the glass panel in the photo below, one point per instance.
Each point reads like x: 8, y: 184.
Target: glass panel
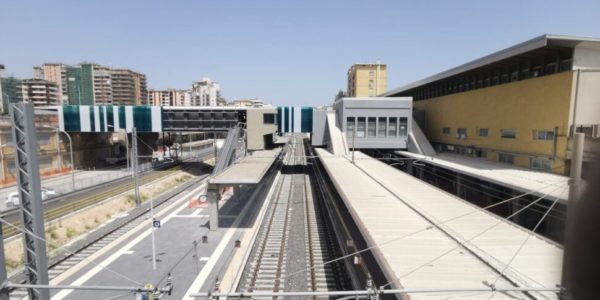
x: 393, y: 127
x: 360, y: 127
x: 350, y: 123
x: 508, y: 133
x: 403, y: 127
x: 372, y: 129
x: 382, y: 127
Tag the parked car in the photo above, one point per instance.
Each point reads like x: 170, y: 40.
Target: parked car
x: 13, y: 199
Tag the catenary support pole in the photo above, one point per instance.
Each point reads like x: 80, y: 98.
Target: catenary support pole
x: 574, y: 193
x: 134, y: 160
x: 30, y: 194
x: 3, y: 276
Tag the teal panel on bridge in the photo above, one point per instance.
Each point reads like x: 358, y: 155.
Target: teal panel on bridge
x: 87, y: 118
x: 294, y: 119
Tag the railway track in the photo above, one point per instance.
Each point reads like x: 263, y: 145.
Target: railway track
x: 57, y: 268
x: 73, y: 206
x: 293, y: 242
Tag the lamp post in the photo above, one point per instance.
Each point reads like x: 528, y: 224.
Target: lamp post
x: 70, y: 150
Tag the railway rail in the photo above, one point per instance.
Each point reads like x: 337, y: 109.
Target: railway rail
x: 294, y: 241
x: 69, y: 260
x: 68, y: 207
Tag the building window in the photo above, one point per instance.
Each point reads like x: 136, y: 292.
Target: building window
x: 269, y: 118
x: 350, y: 123
x: 403, y: 126
x: 545, y: 135
x: 461, y: 133
x: 446, y: 130
x: 481, y: 153
x: 508, y: 133
x: 540, y: 163
x: 372, y: 127
x: 484, y: 132
x: 506, y: 158
x: 393, y: 127
x: 360, y: 127
x: 382, y: 129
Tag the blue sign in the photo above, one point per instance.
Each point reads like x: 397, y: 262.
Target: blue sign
x: 156, y: 223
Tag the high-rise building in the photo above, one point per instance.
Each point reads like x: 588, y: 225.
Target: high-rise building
x: 367, y: 80
x: 170, y: 97
x: 89, y: 84
x: 103, y: 89
x: 40, y: 92
x: 205, y: 93
x: 56, y: 73
x: 128, y: 87
x: 9, y: 88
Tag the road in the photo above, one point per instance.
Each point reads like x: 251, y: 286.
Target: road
x: 63, y: 184
x: 54, y: 208
x: 193, y: 269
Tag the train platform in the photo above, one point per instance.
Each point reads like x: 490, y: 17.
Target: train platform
x: 506, y: 175
x: 249, y: 170
x: 425, y: 238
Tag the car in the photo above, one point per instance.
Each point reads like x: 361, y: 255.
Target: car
x: 13, y: 199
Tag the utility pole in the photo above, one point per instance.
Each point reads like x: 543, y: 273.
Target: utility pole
x: 574, y: 194
x: 3, y: 276
x: 30, y: 193
x: 134, y: 162
x: 353, y: 140
x: 576, y: 164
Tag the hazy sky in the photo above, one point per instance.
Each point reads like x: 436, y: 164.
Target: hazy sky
x: 285, y: 52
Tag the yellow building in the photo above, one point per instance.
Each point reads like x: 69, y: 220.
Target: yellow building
x: 367, y: 80
x: 518, y: 106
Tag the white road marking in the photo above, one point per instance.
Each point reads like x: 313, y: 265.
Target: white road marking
x: 128, y: 252
x: 204, y: 258
x: 196, y: 212
x: 98, y: 268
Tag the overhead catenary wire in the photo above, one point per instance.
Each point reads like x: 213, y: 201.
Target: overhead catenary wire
x: 561, y: 218
x: 70, y: 252
x: 462, y: 244
x: 475, y: 210
x: 522, y: 245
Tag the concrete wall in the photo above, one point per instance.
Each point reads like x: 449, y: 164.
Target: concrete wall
x: 319, y: 120
x: 256, y: 129
x: 534, y: 104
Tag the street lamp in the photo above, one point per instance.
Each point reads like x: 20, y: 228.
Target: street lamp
x: 71, y: 151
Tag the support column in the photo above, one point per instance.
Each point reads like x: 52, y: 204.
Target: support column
x: 3, y: 275
x: 30, y: 193
x: 236, y: 190
x: 460, y: 189
x: 213, y: 196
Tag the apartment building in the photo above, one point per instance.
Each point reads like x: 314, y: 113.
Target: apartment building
x: 40, y: 92
x: 56, y: 73
x: 205, y: 92
x: 170, y: 97
x: 89, y: 84
x: 518, y: 106
x: 128, y: 87
x: 367, y: 80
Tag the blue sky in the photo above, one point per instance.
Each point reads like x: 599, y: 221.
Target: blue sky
x: 285, y: 52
